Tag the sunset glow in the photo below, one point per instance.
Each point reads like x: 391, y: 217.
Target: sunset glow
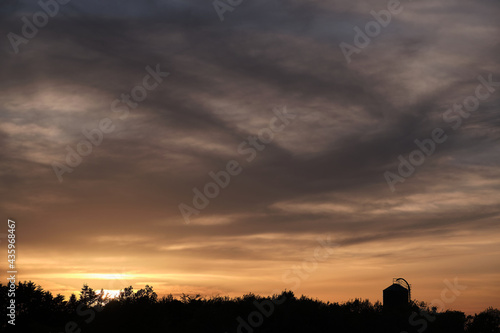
x: 275, y: 146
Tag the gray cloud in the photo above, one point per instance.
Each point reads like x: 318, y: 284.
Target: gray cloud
x: 322, y: 174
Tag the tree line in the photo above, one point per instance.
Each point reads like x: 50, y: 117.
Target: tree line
x: 38, y: 310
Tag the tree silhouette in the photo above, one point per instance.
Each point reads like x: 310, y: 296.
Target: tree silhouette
x: 142, y: 311
x: 88, y: 296
x: 487, y: 321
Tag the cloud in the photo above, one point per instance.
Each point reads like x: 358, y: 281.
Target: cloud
x: 322, y: 174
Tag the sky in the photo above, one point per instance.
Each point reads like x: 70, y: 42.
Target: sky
x: 308, y: 119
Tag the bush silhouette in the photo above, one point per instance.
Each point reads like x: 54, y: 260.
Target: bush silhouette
x: 143, y: 311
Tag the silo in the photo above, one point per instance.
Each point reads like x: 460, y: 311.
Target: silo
x: 397, y: 296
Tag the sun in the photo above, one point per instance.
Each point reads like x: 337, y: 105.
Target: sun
x: 109, y: 294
